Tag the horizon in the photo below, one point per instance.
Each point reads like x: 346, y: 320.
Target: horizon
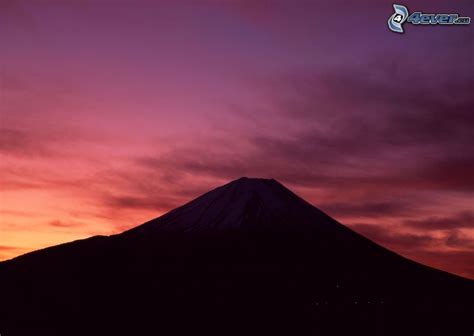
x: 113, y: 115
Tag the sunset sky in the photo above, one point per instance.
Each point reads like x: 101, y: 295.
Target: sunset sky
x: 114, y: 112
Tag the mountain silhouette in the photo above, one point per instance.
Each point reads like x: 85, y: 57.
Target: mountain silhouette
x: 247, y: 258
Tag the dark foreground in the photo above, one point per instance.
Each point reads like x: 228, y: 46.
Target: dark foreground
x: 249, y: 258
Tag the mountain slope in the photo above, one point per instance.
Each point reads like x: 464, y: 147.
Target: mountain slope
x: 247, y: 258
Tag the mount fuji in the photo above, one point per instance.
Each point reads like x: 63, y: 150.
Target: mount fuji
x: 247, y: 258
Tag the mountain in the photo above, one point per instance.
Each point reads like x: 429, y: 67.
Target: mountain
x: 247, y: 258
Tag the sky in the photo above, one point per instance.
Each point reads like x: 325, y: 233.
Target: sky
x: 114, y: 112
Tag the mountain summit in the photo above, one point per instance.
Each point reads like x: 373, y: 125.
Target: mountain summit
x: 247, y: 258
x: 240, y: 204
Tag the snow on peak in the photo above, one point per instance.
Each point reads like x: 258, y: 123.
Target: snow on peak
x: 242, y: 203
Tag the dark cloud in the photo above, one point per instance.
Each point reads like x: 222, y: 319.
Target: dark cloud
x: 456, y: 239
x: 383, y: 105
x: 449, y: 173
x: 8, y: 248
x: 146, y: 189
x: 403, y: 241
x: 453, y: 252
x: 389, y: 237
x: 140, y: 202
x: 308, y: 163
x: 461, y: 220
x: 367, y: 209
x: 387, y: 123
x: 62, y: 224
